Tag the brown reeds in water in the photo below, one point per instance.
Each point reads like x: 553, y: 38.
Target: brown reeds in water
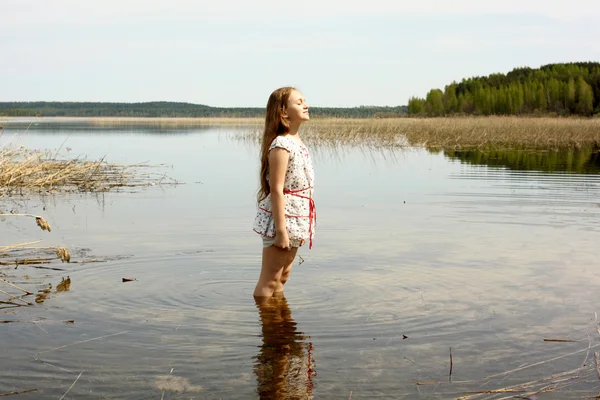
x: 452, y: 133
x: 63, y: 254
x: 26, y: 255
x: 23, y: 170
x: 40, y: 221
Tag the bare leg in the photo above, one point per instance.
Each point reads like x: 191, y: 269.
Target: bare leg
x: 275, y: 271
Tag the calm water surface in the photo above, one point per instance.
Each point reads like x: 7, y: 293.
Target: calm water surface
x: 416, y: 254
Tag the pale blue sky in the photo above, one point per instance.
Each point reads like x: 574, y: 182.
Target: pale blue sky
x: 235, y: 52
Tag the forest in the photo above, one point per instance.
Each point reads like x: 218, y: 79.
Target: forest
x: 553, y: 89
x: 165, y: 109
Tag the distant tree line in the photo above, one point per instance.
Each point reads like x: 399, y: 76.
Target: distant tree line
x: 559, y: 89
x: 174, y: 109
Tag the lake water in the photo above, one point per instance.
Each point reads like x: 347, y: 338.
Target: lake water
x: 416, y: 255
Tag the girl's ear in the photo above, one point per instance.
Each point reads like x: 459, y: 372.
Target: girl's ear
x: 283, y: 112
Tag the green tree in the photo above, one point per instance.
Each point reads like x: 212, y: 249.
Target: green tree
x: 416, y: 106
x: 434, y: 103
x: 541, y: 99
x: 570, y: 95
x: 584, y: 97
x: 450, y: 99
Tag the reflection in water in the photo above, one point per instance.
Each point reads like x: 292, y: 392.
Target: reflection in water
x: 284, y: 366
x: 116, y: 126
x: 64, y: 285
x: 581, y: 161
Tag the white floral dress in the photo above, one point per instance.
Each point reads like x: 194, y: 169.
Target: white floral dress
x: 300, y: 214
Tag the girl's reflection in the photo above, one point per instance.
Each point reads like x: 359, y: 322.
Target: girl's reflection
x: 284, y: 366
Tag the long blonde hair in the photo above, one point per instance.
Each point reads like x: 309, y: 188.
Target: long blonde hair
x: 275, y: 125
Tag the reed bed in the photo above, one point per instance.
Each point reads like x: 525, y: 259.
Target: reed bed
x: 500, y: 132
x: 23, y: 170
x: 452, y: 133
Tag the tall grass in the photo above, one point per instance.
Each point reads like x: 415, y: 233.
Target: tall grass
x: 502, y: 132
x: 453, y: 133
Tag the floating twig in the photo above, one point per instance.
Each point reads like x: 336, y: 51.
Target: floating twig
x: 82, y: 341
x: 15, y: 286
x: 12, y: 296
x: 14, y: 246
x: 71, y: 387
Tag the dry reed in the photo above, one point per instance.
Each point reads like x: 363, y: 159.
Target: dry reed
x: 23, y: 254
x: 63, y: 254
x: 452, y: 133
x: 23, y: 170
x: 40, y: 221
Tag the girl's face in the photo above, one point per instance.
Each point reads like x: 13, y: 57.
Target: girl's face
x: 297, y: 109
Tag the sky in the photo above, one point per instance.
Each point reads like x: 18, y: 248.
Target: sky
x: 234, y: 53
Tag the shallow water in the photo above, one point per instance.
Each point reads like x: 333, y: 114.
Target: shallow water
x: 416, y: 255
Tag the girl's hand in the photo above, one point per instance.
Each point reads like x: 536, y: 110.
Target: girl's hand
x: 282, y: 240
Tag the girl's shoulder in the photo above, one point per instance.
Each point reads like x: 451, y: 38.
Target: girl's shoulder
x: 283, y: 142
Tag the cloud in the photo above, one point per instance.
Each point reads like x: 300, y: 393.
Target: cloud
x: 343, y: 53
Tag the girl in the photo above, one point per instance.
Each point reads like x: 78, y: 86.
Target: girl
x: 286, y: 211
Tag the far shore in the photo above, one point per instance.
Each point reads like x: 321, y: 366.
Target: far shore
x: 137, y: 120
x: 254, y: 120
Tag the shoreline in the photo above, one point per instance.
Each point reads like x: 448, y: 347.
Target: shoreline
x: 451, y: 133
x: 313, y: 118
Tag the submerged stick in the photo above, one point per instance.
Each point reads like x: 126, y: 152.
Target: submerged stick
x: 19, y: 392
x: 27, y: 261
x: 71, y: 387
x: 586, y: 355
x: 541, y: 362
x: 597, y: 363
x: 45, y: 262
x: 525, y: 385
x: 450, y: 374
x: 162, y: 397
x: 83, y: 341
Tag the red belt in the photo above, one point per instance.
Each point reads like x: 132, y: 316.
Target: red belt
x: 312, y: 211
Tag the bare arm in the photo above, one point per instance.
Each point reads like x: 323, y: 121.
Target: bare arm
x: 278, y: 163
